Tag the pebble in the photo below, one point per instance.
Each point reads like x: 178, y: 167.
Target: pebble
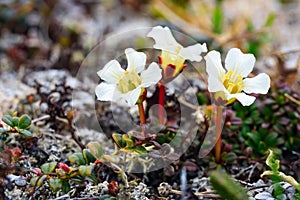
x: 264, y: 196
x: 21, y: 182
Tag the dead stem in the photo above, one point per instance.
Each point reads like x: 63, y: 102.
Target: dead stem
x: 292, y: 99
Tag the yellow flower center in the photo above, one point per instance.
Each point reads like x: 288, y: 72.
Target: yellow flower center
x: 233, y: 82
x: 129, y: 81
x: 168, y: 58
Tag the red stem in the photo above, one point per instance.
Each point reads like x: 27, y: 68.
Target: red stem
x: 142, y: 117
x: 161, y: 102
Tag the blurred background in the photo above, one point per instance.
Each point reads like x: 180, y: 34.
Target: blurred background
x: 39, y: 35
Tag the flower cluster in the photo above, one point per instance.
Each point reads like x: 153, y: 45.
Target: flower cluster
x: 130, y: 85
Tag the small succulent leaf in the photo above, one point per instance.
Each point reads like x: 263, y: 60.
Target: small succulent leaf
x: 24, y: 122
x: 48, y: 167
x: 55, y: 184
x: 254, y: 136
x: 128, y: 140
x: 65, y: 187
x: 26, y: 133
x: 37, y: 180
x: 85, y: 170
x: 77, y: 179
x: 271, y: 139
x: 7, y: 119
x: 118, y: 140
x: 140, y: 150
x: 95, y: 148
x: 15, y: 121
x: 77, y: 158
x: 88, y: 156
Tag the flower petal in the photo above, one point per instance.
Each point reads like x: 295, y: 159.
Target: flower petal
x: 259, y: 84
x: 111, y: 72
x: 214, y: 66
x: 240, y: 63
x: 151, y: 75
x: 215, y: 85
x: 164, y: 39
x: 107, y: 92
x: 246, y: 100
x: 132, y: 96
x: 193, y: 52
x: 136, y: 60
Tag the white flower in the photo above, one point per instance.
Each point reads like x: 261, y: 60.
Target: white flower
x: 128, y: 85
x: 233, y: 83
x: 174, y: 54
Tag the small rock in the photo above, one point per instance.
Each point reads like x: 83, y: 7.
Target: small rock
x: 21, y: 182
x: 264, y: 196
x: 291, y: 196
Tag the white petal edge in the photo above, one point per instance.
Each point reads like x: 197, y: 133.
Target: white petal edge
x: 107, y: 92
x: 240, y: 63
x: 193, y: 52
x: 215, y: 85
x: 132, y: 96
x: 136, y: 60
x: 151, y: 75
x: 246, y: 100
x: 259, y: 84
x: 164, y: 39
x: 214, y: 66
x: 111, y: 72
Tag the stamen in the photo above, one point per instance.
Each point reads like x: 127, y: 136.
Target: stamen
x: 233, y: 82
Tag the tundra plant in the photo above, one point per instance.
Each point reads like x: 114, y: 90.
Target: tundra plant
x: 232, y: 84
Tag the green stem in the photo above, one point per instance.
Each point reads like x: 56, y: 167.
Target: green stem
x: 161, y: 102
x: 219, y: 123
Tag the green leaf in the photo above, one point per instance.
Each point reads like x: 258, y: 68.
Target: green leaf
x: 15, y: 121
x: 128, y: 140
x: 55, y: 184
x: 48, y: 167
x: 217, y: 19
x: 88, y: 156
x: 226, y: 187
x: 77, y: 179
x: 65, y: 186
x: 85, y: 170
x: 271, y: 139
x: 37, y: 180
x: 140, y: 150
x: 77, y: 158
x: 119, y: 140
x: 26, y: 133
x: 255, y: 137
x: 24, y: 122
x: 270, y: 20
x: 7, y: 119
x: 95, y: 148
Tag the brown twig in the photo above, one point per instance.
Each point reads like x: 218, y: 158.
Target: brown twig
x: 292, y: 99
